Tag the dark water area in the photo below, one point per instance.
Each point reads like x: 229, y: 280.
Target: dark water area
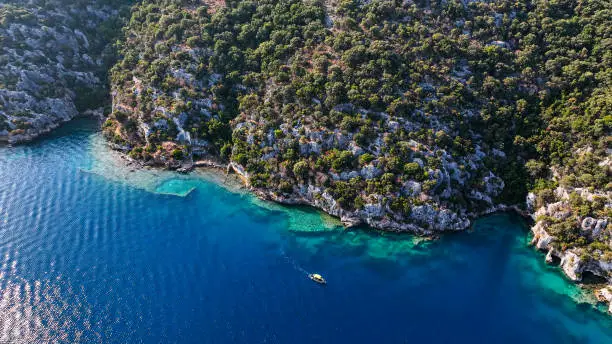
x: 91, y: 253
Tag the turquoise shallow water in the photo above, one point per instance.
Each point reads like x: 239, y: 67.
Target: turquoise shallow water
x: 94, y: 252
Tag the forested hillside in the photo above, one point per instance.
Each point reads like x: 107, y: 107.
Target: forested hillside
x: 403, y: 115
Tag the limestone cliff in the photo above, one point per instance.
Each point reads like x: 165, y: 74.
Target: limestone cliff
x: 53, y: 61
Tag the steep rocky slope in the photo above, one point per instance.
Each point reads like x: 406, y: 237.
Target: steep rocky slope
x: 53, y: 63
x: 571, y: 196
x: 406, y: 157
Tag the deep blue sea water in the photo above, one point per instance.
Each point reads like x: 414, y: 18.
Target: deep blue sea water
x: 93, y: 252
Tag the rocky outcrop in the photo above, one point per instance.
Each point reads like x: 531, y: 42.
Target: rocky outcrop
x: 572, y: 265
x: 579, y: 243
x: 52, y: 68
x: 605, y: 295
x: 425, y: 219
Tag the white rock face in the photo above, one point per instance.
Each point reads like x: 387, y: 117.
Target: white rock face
x: 600, y: 227
x: 310, y: 148
x: 570, y: 263
x: 373, y: 210
x: 594, y: 227
x: 355, y: 149
x: 575, y: 261
x: 541, y: 238
x: 370, y: 172
x: 493, y: 184
x: 41, y: 77
x: 549, y: 256
x: 530, y: 202
x: 411, y: 188
x: 500, y: 44
x: 588, y: 224
x: 438, y: 220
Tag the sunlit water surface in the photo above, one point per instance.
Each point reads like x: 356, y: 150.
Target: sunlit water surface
x: 92, y: 251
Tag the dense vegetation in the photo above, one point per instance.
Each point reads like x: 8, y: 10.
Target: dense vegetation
x: 427, y: 112
x: 187, y: 67
x: 570, y: 151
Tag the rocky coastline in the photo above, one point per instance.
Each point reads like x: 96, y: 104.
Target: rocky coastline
x: 568, y: 259
x: 423, y: 164
x: 39, y: 131
x: 413, y: 156
x: 577, y: 263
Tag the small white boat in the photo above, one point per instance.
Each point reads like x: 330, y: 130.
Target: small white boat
x: 317, y: 278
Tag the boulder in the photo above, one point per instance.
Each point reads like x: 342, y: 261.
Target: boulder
x: 600, y: 227
x: 370, y: 172
x: 572, y: 265
x: 605, y: 295
x: 411, y: 188
x: 550, y: 256
x: 588, y: 224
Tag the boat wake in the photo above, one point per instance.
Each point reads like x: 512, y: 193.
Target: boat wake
x: 293, y: 262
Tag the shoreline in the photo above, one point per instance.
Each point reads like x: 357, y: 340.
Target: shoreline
x: 92, y: 115
x: 598, y: 290
x: 238, y: 182
x: 234, y: 179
